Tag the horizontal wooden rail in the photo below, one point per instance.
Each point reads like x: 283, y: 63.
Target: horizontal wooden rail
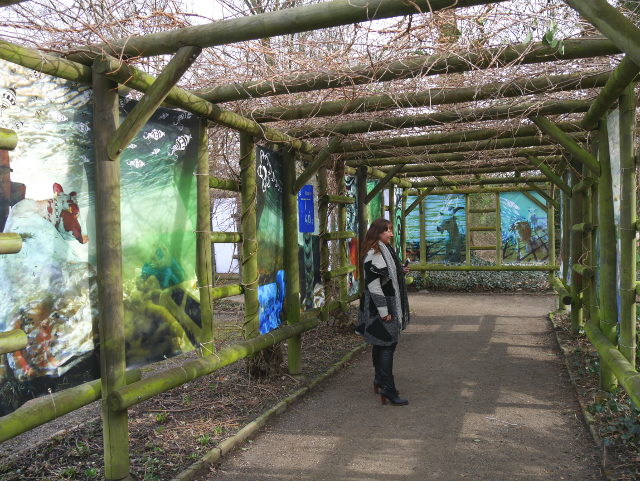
x: 560, y: 288
x: 225, y: 237
x: 226, y: 291
x: 12, y: 341
x: 224, y: 184
x: 10, y: 243
x: 8, y: 139
x: 337, y: 199
x: 626, y: 374
x: 583, y: 185
x: 489, y: 210
x: 339, y: 235
x: 379, y: 174
x: 584, y: 271
x: 341, y: 271
x: 163, y: 381
x: 483, y: 228
x: 584, y: 227
x: 503, y: 267
x: 47, y: 408
x: 483, y: 248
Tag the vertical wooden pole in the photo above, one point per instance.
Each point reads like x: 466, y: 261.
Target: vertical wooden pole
x: 588, y: 300
x: 423, y: 232
x: 204, y: 261
x: 248, y: 223
x: 565, y: 231
x: 323, y: 215
x: 467, y: 215
x: 363, y: 221
x: 109, y: 253
x: 392, y: 208
x: 607, y: 291
x: 498, y: 231
x: 628, y: 219
x: 575, y: 254
x: 551, y: 227
x: 403, y: 226
x: 342, y: 243
x: 291, y: 259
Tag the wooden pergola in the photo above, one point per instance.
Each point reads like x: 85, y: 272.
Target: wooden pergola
x: 566, y: 163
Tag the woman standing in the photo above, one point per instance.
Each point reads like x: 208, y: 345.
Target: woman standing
x: 384, y: 307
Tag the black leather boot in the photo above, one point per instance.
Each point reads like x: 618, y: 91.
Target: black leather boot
x: 388, y: 392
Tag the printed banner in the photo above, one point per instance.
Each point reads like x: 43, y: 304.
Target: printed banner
x: 49, y: 288
x: 352, y: 245
x: 311, y: 287
x: 525, y: 236
x: 271, y: 282
x: 446, y: 228
x: 412, y: 230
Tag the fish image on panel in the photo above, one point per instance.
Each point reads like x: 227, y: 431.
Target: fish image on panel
x: 49, y: 289
x: 525, y: 235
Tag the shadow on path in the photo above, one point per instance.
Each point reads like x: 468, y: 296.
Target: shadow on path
x: 489, y: 400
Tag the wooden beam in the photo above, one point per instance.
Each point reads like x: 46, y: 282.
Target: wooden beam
x: 45, y: 63
x: 370, y: 156
x: 378, y: 174
x: 534, y: 200
x: 482, y: 181
x: 454, y: 116
x: 623, y: 75
x: 577, y: 152
x: 552, y: 176
x: 138, y: 80
x: 431, y: 97
x: 8, y: 139
x: 457, y: 136
x: 466, y: 170
x: 465, y: 166
x: 383, y: 182
x: 271, y: 24
x: 151, y: 100
x: 319, y: 161
x: 415, y: 203
x: 612, y: 23
x: 409, y: 67
x: 12, y: 341
x: 545, y: 196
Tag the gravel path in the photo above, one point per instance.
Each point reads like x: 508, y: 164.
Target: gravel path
x: 489, y: 400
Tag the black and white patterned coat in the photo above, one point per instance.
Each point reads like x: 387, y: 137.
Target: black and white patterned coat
x: 384, y: 293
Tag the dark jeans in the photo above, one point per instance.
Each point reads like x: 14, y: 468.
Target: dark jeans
x: 383, y: 364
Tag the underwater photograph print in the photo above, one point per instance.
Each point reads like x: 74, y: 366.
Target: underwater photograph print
x: 525, y: 236
x: 446, y: 228
x: 270, y: 236
x: 49, y: 288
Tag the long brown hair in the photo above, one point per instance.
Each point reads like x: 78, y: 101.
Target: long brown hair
x: 370, y: 241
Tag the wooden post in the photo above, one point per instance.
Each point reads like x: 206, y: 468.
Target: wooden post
x: 363, y: 221
x: 248, y: 222
x: 467, y: 215
x: 204, y: 261
x: 575, y: 254
x: 423, y: 233
x: 551, y: 227
x: 498, y: 231
x: 323, y: 215
x: 608, y: 291
x: 628, y: 218
x: 109, y: 264
x: 291, y: 259
x: 342, y: 243
x: 403, y: 225
x: 565, y: 229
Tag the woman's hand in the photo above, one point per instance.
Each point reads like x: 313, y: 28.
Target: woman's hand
x: 386, y: 318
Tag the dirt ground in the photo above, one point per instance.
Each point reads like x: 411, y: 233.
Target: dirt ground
x: 489, y: 396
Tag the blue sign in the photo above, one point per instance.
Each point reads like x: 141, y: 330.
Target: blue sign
x: 305, y: 209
